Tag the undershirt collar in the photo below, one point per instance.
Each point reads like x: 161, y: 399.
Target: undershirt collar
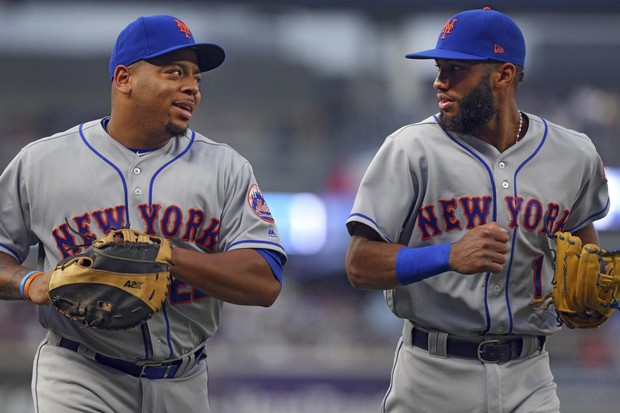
x: 138, y: 151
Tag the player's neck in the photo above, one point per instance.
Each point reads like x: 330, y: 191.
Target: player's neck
x: 504, y: 130
x: 135, y: 138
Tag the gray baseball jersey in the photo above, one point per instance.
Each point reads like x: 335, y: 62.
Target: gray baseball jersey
x: 202, y: 195
x: 426, y: 186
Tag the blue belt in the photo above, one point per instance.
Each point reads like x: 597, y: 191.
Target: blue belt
x: 149, y: 370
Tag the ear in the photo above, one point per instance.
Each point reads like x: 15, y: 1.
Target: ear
x: 505, y: 74
x: 121, y: 79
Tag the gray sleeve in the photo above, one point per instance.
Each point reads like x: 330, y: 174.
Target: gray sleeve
x: 15, y: 235
x: 246, y: 219
x: 387, y: 193
x: 593, y: 201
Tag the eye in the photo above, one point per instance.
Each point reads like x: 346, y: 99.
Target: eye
x: 450, y: 67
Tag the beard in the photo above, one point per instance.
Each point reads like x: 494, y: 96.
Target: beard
x: 476, y: 109
x: 174, y: 131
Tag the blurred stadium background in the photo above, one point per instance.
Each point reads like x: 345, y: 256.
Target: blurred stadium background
x: 308, y: 92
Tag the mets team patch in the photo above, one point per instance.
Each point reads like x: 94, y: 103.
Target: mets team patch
x: 258, y: 204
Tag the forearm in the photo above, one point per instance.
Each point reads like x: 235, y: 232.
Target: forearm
x: 239, y: 277
x: 587, y: 234
x: 370, y: 265
x: 377, y: 265
x: 11, y: 275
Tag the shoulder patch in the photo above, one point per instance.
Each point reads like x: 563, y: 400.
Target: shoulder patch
x: 256, y: 200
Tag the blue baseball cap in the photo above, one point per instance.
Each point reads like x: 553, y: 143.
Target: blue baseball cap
x: 478, y: 35
x: 151, y: 36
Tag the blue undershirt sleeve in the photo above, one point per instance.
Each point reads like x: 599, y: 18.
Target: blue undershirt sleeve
x: 274, y: 260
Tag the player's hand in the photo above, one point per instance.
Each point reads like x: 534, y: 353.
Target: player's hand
x: 39, y: 289
x: 482, y: 249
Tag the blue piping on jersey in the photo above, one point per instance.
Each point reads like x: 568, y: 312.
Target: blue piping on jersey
x: 369, y: 219
x: 489, y: 171
x: 494, y: 214
x: 164, y: 166
x: 145, y: 336
x: 151, y: 184
x: 168, y: 336
x: 514, y: 233
x: 12, y: 251
x: 254, y: 242
x: 591, y: 217
x: 120, y: 174
x: 145, y: 339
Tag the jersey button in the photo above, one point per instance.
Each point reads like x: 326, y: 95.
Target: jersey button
x: 137, y: 191
x: 501, y: 165
x: 136, y: 171
x: 505, y: 185
x: 500, y: 329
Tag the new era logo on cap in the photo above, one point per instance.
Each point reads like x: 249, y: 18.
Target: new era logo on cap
x: 151, y: 36
x: 478, y: 35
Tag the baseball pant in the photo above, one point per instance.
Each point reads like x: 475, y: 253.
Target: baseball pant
x: 65, y: 381
x: 424, y: 383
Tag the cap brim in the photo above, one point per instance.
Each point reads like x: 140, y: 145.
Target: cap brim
x: 209, y: 55
x: 443, y: 54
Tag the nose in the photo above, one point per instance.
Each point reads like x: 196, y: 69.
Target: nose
x: 190, y: 86
x: 441, y: 81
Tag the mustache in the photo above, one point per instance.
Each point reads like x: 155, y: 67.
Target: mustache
x: 475, y: 110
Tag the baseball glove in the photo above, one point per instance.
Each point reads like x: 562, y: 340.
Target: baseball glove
x: 585, y: 284
x: 118, y: 283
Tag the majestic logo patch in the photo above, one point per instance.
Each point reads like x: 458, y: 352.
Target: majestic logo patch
x: 183, y: 28
x: 447, y: 28
x: 256, y: 200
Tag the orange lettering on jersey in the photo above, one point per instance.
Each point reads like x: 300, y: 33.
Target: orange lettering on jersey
x: 498, y: 49
x: 447, y: 28
x: 183, y: 28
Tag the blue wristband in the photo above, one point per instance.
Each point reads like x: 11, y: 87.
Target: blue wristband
x: 416, y: 264
x: 22, y: 284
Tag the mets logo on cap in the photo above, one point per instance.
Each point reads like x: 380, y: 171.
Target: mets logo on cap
x: 183, y: 28
x: 256, y: 200
x: 447, y: 28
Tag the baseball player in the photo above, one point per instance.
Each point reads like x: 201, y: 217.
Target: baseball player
x: 452, y: 221
x: 142, y: 168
